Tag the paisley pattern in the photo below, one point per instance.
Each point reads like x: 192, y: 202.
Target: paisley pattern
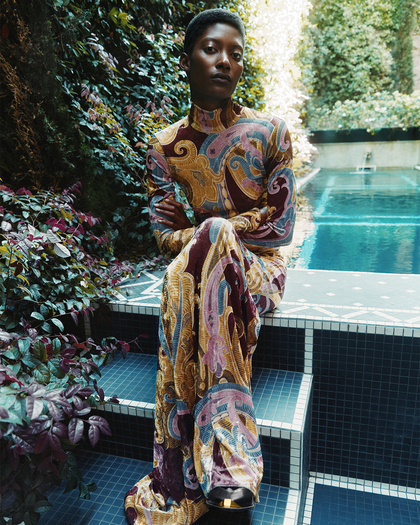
x: 234, y: 166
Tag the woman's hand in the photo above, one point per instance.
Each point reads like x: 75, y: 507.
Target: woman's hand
x: 177, y: 219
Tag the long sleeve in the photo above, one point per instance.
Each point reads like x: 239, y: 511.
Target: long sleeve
x: 160, y: 185
x: 271, y: 226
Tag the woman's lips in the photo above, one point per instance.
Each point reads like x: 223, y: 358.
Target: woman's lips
x: 223, y: 79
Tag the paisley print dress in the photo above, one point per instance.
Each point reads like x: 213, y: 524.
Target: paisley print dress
x: 234, y: 166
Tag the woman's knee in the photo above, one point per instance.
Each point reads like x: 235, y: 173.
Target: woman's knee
x: 216, y: 227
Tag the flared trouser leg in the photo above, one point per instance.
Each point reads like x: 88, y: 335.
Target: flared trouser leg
x: 205, y: 427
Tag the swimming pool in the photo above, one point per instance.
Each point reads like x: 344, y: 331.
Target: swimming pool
x: 366, y: 222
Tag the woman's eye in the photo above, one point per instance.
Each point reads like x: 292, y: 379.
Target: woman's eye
x: 209, y: 49
x: 237, y: 56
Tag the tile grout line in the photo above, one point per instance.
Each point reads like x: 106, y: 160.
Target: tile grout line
x: 309, y: 351
x: 307, y: 512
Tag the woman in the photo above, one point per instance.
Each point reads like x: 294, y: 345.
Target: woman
x: 234, y: 166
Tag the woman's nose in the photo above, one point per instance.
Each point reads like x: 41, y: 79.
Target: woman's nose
x: 224, y: 60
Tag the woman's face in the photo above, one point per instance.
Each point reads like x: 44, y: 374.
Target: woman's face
x: 214, y: 66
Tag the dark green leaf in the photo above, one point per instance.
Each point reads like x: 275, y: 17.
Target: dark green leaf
x: 24, y: 346
x: 56, y: 346
x: 38, y: 316
x: 12, y: 353
x: 42, y: 506
x: 56, y: 370
x: 39, y: 350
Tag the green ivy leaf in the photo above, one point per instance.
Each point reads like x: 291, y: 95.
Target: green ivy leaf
x: 42, y: 506
x: 98, y: 360
x: 19, y: 408
x: 55, y: 369
x: 24, y: 346
x: 31, y: 361
x: 12, y: 353
x: 15, y: 367
x: 40, y: 351
x: 44, y: 310
x: 30, y: 518
x: 58, y: 324
x: 56, y: 346
x: 47, y: 328
x: 42, y: 374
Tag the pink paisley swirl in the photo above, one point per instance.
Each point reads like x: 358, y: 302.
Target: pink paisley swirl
x: 214, y: 357
x: 243, y: 130
x: 234, y: 399
x: 216, y: 345
x: 256, y: 186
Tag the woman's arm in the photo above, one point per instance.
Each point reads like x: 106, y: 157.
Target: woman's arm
x: 272, y: 225
x: 170, y: 225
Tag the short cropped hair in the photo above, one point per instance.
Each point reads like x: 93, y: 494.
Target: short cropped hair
x: 206, y: 18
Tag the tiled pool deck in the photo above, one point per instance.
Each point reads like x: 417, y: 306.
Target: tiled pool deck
x: 361, y: 298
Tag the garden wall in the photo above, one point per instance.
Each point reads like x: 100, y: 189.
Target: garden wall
x: 390, y: 148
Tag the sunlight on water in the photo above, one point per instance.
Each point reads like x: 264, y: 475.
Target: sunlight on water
x: 366, y: 222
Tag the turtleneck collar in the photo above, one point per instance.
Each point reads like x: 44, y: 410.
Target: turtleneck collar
x: 214, y: 121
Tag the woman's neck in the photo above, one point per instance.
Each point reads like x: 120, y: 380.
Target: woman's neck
x: 213, y: 121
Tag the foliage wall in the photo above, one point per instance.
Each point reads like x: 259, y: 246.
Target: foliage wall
x: 86, y: 84
x: 353, y: 49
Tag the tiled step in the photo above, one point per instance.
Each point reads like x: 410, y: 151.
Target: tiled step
x: 332, y: 502
x: 114, y: 476
x: 282, y: 401
x: 329, y: 504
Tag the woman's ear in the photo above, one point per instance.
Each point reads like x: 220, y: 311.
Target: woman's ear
x: 184, y: 62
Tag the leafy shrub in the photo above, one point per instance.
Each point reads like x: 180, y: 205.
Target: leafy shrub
x: 118, y: 128
x: 353, y: 49
x: 382, y: 110
x: 45, y: 399
x: 52, y: 263
x: 52, y: 267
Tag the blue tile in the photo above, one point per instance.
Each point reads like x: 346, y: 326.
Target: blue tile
x: 366, y: 424
x: 106, y: 504
x: 339, y: 506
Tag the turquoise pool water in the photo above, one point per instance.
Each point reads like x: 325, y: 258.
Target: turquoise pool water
x: 366, y: 222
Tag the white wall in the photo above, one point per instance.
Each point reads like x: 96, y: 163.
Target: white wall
x: 343, y: 155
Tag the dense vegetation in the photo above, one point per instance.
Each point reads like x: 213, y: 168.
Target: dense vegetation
x: 353, y: 50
